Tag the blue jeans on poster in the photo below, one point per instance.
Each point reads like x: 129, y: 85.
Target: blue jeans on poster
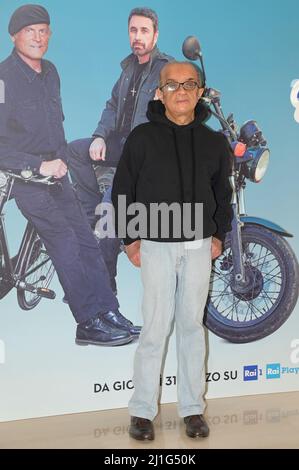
x: 87, y: 190
x: 62, y: 225
x: 110, y: 247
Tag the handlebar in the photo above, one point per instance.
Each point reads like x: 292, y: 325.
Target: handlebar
x: 7, y: 179
x: 212, y: 97
x: 30, y: 177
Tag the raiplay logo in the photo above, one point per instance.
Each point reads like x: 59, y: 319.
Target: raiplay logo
x: 273, y: 371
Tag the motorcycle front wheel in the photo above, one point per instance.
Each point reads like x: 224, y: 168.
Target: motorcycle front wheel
x: 271, y: 293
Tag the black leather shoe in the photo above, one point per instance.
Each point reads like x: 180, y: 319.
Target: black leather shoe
x: 196, y: 426
x: 141, y: 429
x: 117, y: 320
x: 97, y: 331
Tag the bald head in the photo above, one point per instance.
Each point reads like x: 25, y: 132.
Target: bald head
x: 172, y: 68
x: 181, y: 87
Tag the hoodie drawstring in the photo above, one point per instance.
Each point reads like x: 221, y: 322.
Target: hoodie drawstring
x: 193, y: 165
x: 180, y: 166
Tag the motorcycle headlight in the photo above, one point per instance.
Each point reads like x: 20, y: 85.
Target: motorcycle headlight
x: 256, y: 167
x: 251, y: 135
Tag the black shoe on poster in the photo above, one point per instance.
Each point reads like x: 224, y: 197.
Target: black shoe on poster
x: 97, y: 331
x: 117, y: 320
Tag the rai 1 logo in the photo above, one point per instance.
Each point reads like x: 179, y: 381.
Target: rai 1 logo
x: 294, y: 357
x: 295, y: 98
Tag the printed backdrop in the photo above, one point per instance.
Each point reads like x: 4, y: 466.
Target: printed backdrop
x: 251, y: 55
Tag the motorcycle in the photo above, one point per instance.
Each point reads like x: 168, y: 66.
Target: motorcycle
x: 254, y: 284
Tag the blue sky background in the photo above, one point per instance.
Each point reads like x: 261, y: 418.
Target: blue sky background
x: 251, y: 55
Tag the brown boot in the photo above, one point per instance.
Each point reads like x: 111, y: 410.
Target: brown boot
x: 196, y: 426
x: 141, y: 429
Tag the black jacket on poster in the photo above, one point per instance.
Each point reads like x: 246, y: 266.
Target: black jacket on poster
x: 166, y: 162
x: 112, y: 118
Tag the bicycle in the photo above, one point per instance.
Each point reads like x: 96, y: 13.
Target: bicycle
x: 31, y: 270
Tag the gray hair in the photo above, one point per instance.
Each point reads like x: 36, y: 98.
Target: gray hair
x: 147, y: 13
x: 195, y: 66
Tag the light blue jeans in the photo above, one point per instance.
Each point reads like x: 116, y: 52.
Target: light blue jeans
x: 176, y: 283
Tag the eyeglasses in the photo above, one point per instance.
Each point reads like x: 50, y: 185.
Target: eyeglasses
x: 189, y: 85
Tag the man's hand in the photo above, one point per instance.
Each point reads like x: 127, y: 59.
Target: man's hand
x: 217, y: 247
x: 56, y: 168
x: 97, y: 150
x: 133, y: 252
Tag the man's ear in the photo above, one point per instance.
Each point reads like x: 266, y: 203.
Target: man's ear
x: 159, y: 95
x: 156, y: 97
x: 156, y: 37
x: 13, y: 38
x: 200, y: 93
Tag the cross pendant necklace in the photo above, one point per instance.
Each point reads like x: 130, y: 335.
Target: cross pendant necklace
x: 135, y: 82
x: 134, y: 92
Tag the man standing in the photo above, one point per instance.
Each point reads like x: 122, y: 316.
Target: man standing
x: 125, y: 110
x: 32, y: 138
x: 174, y: 159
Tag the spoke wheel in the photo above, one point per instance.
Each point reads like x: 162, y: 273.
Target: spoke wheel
x: 37, y: 270
x: 247, y: 313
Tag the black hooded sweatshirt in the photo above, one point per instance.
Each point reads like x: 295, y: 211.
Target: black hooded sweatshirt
x: 163, y: 162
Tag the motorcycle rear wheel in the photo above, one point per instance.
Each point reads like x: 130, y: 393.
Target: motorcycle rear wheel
x: 272, y: 268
